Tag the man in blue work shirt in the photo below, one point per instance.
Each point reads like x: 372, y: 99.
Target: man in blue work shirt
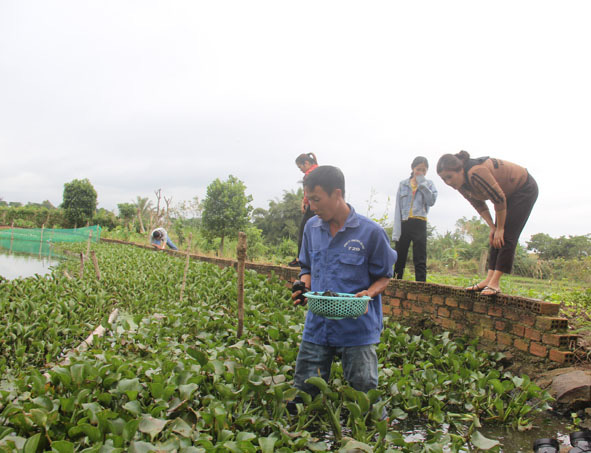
x: 345, y: 252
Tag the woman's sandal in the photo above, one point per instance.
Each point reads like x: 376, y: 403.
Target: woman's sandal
x: 474, y: 288
x: 491, y: 291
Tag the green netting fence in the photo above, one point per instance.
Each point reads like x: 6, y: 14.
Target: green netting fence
x: 41, y: 240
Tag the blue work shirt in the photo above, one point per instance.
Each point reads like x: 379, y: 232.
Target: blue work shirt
x: 358, y: 255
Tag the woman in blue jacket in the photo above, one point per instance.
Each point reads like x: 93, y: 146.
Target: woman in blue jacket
x: 414, y: 198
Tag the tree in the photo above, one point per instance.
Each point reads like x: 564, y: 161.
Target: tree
x: 570, y: 247
x: 225, y: 209
x: 143, y: 207
x: 126, y: 212
x: 282, y: 219
x: 79, y: 202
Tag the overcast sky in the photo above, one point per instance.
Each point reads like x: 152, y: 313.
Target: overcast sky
x: 140, y: 95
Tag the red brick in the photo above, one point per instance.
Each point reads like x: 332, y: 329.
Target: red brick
x: 416, y: 309
x: 458, y: 315
x: 548, y: 308
x: 520, y: 344
x: 400, y: 294
x: 397, y: 312
x: 561, y: 356
x: 489, y: 334
x: 477, y: 331
x: 504, y: 338
x: 386, y: 309
x: 500, y: 325
x: 550, y: 323
x: 551, y: 339
x: 473, y: 318
x: 495, y: 311
x: 429, y: 309
x: 437, y: 300
x: 487, y: 322
x: 448, y: 323
x: 479, y: 307
x: 511, y: 314
x: 528, y: 320
x: 532, y: 334
x: 407, y: 304
x: 466, y: 304
x: 394, y: 302
x: 443, y: 312
x: 518, y: 329
x: 538, y: 349
x: 425, y: 298
x: 412, y: 296
x: 451, y: 302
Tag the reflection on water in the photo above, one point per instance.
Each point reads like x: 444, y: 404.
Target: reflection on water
x: 20, y: 265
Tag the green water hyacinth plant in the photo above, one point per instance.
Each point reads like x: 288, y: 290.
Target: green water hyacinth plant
x: 173, y: 376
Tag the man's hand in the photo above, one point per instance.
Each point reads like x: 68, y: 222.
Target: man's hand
x: 362, y: 294
x: 298, y: 289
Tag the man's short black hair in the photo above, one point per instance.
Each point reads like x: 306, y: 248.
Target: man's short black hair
x: 327, y: 177
x: 157, y: 234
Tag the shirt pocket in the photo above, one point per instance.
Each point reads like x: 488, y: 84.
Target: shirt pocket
x: 352, y: 269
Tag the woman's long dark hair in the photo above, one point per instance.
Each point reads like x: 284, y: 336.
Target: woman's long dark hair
x: 418, y: 161
x: 309, y: 157
x: 452, y: 162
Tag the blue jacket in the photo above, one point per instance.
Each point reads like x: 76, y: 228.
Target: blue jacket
x: 424, y: 198
x: 349, y: 262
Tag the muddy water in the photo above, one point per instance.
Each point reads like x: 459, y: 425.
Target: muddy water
x: 20, y: 265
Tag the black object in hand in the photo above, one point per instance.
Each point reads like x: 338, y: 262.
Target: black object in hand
x: 299, y: 285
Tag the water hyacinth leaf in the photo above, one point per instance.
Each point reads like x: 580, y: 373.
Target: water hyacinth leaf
x: 245, y: 436
x: 44, y: 402
x: 129, y: 385
x: 317, y: 446
x: 130, y: 429
x: 267, y: 444
x: 319, y: 383
x: 152, y: 426
x: 141, y: 447
x: 93, y: 433
x: 181, y: 427
x: 62, y: 446
x: 133, y: 407
x: 354, y: 446
x: 39, y: 417
x: 479, y: 441
x: 32, y: 443
x: 198, y: 355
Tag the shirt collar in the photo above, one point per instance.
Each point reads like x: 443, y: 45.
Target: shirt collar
x: 351, y: 222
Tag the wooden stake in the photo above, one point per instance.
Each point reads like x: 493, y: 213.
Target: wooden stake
x: 95, y: 264
x: 81, y: 264
x: 241, y: 254
x: 186, y: 267
x: 69, y: 277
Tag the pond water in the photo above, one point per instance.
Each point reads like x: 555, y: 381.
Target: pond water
x: 22, y: 265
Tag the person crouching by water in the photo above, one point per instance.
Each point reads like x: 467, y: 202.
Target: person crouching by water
x: 513, y: 192
x: 345, y: 252
x: 159, y: 238
x: 414, y: 198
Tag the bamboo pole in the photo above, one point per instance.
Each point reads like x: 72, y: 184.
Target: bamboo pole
x: 41, y: 240
x: 186, y: 267
x: 241, y: 254
x: 97, y: 271
x: 81, y: 264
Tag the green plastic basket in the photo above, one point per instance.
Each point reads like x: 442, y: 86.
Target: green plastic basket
x: 344, y: 306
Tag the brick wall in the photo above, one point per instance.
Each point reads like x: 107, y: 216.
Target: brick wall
x: 528, y: 325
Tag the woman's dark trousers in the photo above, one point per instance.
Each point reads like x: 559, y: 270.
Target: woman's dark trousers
x: 414, y: 230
